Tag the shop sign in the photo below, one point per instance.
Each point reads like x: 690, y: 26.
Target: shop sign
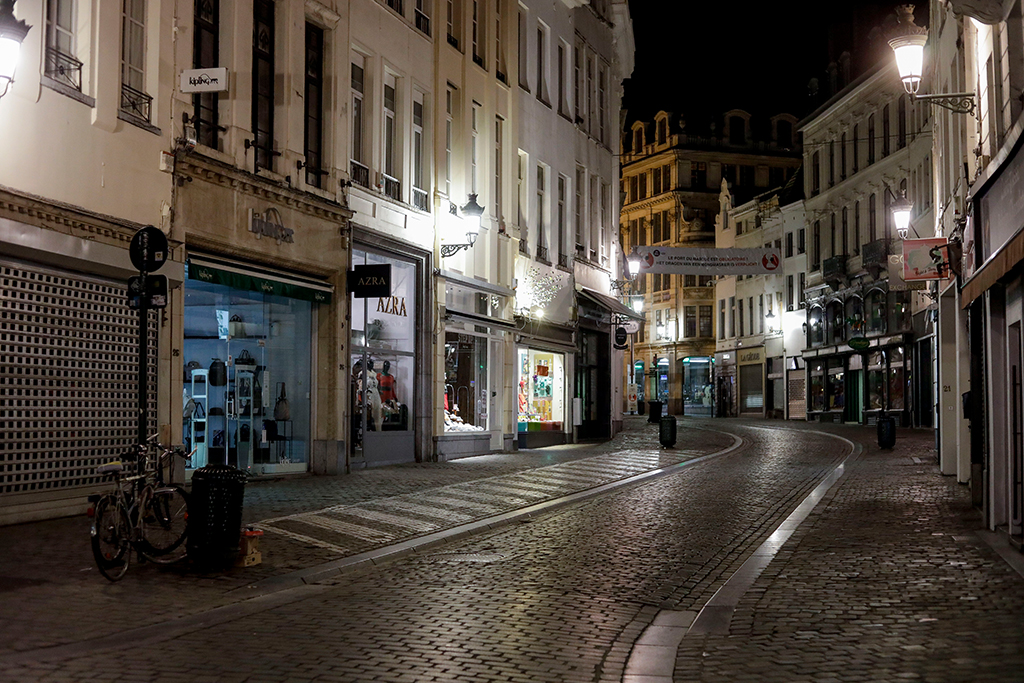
x: 252, y: 283
x: 204, y: 80
x: 859, y: 343
x: 365, y: 282
x: 926, y: 259
x: 270, y: 224
x: 692, y: 261
x: 749, y: 357
x: 393, y: 305
x: 621, y: 337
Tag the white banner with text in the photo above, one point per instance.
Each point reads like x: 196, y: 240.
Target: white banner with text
x: 689, y: 261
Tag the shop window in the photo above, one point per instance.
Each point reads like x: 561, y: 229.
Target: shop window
x: 663, y: 379
x: 897, y: 379
x: 817, y: 387
x: 541, y: 391
x: 751, y: 388
x: 697, y: 386
x: 384, y: 363
x: 899, y: 312
x: 836, y: 388
x: 876, y: 380
x: 248, y: 363
x: 466, y: 386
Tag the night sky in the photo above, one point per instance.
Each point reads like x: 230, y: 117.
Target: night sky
x: 715, y: 56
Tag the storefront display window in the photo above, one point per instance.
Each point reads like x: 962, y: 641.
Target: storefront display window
x: 638, y: 378
x: 836, y: 387
x: 541, y: 390
x: 854, y: 317
x: 751, y: 387
x: 836, y: 323
x: 247, y: 357
x: 899, y: 311
x: 897, y: 382
x: 816, y: 326
x: 384, y: 363
x: 697, y: 387
x: 663, y: 379
x: 817, y: 389
x: 876, y: 381
x: 466, y: 386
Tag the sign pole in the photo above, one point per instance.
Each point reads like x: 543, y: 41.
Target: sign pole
x: 143, y: 348
x: 148, y: 252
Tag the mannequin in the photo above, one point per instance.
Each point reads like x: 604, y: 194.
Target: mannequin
x: 386, y: 383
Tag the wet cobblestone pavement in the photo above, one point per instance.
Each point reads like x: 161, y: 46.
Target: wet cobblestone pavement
x: 889, y: 577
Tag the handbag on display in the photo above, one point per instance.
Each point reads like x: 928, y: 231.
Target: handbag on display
x: 189, y: 367
x: 245, y: 358
x: 236, y: 328
x: 282, y: 409
x: 218, y: 373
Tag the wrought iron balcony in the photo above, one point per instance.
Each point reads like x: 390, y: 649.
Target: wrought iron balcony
x: 524, y: 246
x: 875, y: 256
x: 833, y: 271
x: 564, y: 261
x: 542, y: 254
x: 135, y: 102
x: 419, y: 199
x: 392, y: 187
x: 360, y: 174
x: 63, y: 68
x: 395, y: 5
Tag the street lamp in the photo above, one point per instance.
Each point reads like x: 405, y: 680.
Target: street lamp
x: 636, y: 302
x: 471, y: 213
x: 901, y: 215
x: 907, y: 40
x: 12, y: 32
x: 634, y: 264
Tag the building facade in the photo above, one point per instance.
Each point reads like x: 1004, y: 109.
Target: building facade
x: 672, y: 173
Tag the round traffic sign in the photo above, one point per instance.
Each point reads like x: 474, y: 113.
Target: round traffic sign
x: 148, y: 250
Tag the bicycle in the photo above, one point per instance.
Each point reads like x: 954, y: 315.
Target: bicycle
x: 142, y: 512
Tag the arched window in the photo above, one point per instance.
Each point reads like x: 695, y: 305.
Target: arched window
x: 875, y: 313
x: 662, y: 131
x: 627, y: 143
x: 815, y: 326
x: 784, y: 134
x: 638, y: 140
x: 900, y: 319
x: 836, y: 322
x: 854, y: 317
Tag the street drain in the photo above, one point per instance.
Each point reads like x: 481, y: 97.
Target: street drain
x: 483, y: 558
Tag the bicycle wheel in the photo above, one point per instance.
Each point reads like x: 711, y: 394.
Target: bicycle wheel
x: 111, y: 538
x: 164, y: 524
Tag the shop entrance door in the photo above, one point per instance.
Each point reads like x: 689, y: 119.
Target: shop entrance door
x: 1016, y: 437
x: 593, y: 385
x: 855, y: 396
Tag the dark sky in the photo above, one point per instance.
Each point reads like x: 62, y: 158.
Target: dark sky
x: 758, y: 56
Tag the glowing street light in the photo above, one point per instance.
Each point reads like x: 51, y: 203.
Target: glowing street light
x: 901, y: 209
x: 12, y: 32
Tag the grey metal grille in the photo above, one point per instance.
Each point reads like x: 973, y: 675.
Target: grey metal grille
x: 68, y: 377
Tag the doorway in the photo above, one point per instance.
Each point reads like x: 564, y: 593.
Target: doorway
x: 593, y: 385
x: 1016, y: 441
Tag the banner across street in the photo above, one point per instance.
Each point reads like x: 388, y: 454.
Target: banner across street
x: 709, y: 261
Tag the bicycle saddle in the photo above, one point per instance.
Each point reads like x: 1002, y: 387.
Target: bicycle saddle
x: 110, y: 467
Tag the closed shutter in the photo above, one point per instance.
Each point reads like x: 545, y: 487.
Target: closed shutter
x: 797, y: 394
x: 68, y: 381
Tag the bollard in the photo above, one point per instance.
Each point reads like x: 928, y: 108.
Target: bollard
x: 655, y: 411
x: 886, y: 431
x: 667, y: 431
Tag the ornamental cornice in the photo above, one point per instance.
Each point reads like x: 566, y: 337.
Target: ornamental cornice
x: 66, y: 219
x: 247, y: 183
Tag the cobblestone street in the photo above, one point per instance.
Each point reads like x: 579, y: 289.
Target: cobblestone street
x: 755, y: 550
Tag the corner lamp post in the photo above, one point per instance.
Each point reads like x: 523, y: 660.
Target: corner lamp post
x: 12, y: 32
x: 907, y: 40
x: 471, y: 214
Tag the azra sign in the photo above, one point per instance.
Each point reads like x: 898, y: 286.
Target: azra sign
x: 365, y: 282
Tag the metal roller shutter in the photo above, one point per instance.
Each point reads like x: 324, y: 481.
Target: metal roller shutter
x: 68, y: 380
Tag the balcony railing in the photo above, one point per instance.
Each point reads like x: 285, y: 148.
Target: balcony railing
x: 564, y: 261
x: 392, y: 187
x: 360, y: 174
x: 453, y: 41
x: 524, y: 246
x: 395, y: 5
x: 63, y: 68
x: 875, y: 256
x: 833, y: 270
x: 419, y: 199
x: 478, y: 60
x: 423, y: 22
x: 135, y: 102
x: 542, y: 254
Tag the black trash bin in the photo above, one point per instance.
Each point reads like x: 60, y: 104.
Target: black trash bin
x: 215, y: 515
x: 886, y: 431
x: 655, y: 411
x: 640, y: 406
x: 667, y: 431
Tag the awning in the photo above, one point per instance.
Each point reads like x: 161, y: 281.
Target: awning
x: 608, y: 303
x: 250, y: 279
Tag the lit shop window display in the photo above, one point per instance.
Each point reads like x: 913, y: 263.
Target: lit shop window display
x: 466, y: 392
x: 541, y: 391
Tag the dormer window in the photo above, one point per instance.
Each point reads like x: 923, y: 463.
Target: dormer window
x: 737, y: 130
x: 662, y: 131
x: 638, y: 140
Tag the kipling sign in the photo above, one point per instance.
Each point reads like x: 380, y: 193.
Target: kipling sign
x: 270, y: 224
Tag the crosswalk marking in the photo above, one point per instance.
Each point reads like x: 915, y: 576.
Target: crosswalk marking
x: 394, y: 520
x: 347, y: 528
x: 454, y: 502
x: 428, y: 511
